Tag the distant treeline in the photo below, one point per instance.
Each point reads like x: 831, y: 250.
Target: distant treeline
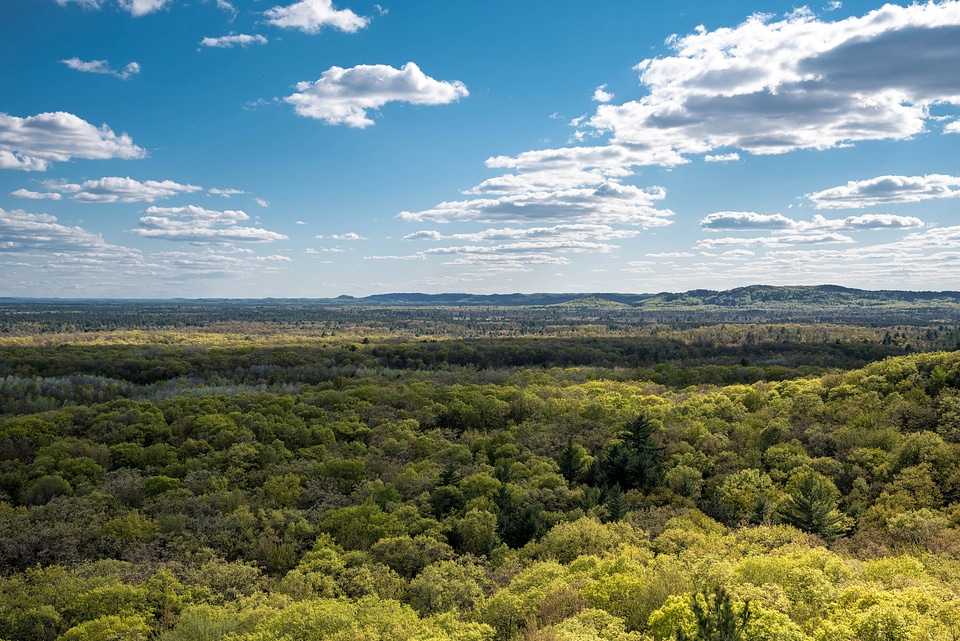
x: 499, y: 315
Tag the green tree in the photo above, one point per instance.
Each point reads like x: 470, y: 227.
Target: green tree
x: 716, y: 618
x: 636, y: 461
x: 812, y: 506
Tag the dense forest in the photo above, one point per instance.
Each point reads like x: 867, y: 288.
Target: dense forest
x: 581, y: 470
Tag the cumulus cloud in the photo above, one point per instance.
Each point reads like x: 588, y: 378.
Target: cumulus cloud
x: 785, y: 240
x: 232, y: 40
x: 23, y: 232
x: 114, y: 189
x: 136, y: 8
x: 226, y: 193
x: 199, y: 225
x: 516, y: 249
x: 32, y: 143
x: 573, y: 232
x: 348, y: 236
x: 139, y: 8
x: 773, y: 86
x: 424, y: 234
x: 310, y: 16
x: 608, y: 203
x: 35, y: 195
x: 102, y: 67
x: 885, y: 190
x: 737, y: 254
x: 601, y: 95
x: 952, y: 127
x: 344, y: 96
x: 261, y: 202
x: 223, y: 5
x: 748, y: 220
x: 722, y: 157
x: 86, y: 4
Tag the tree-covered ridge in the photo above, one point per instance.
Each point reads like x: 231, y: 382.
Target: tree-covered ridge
x: 235, y: 492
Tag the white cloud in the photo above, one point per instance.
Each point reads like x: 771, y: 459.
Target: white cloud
x: 573, y: 232
x: 189, y: 216
x: 569, y: 167
x: 32, y: 143
x: 86, y: 4
x: 786, y: 240
x: 343, y: 96
x: 199, y: 225
x: 23, y: 232
x: 114, y: 189
x: 35, y: 195
x: 136, y: 8
x: 609, y: 203
x: 600, y: 95
x: 512, y: 249
x: 226, y: 193
x: 880, y: 221
x: 952, y: 127
x: 797, y: 83
x: 737, y: 254
x: 722, y: 157
x: 748, y: 220
x: 424, y: 235
x: 139, y: 8
x: 410, y: 257
x: 102, y: 67
x: 261, y: 202
x: 310, y: 16
x: 226, y: 6
x: 275, y: 258
x: 239, y: 39
x: 348, y: 236
x: 672, y: 255
x: 884, y: 190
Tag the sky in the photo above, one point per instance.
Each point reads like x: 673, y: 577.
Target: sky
x: 312, y: 148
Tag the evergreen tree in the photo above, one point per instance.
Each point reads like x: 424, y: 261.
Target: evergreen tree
x: 716, y: 618
x: 812, y: 506
x: 636, y: 461
x: 616, y: 505
x: 570, y: 462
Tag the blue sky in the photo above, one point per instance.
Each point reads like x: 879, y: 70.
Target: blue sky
x: 308, y: 148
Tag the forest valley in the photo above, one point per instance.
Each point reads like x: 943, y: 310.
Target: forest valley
x: 581, y: 470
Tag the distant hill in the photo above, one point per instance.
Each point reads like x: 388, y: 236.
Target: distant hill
x: 595, y: 302
x: 753, y: 296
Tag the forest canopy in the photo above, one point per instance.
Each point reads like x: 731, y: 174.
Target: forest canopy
x: 491, y: 474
